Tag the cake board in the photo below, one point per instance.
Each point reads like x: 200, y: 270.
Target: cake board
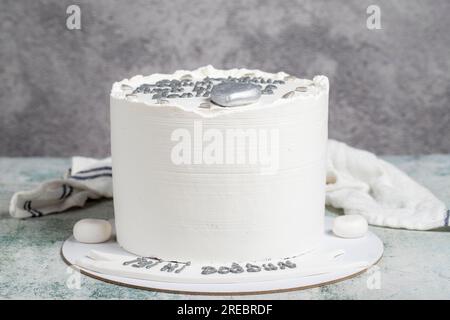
x: 360, y: 255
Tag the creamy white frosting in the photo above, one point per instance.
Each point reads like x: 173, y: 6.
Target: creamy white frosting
x: 316, y: 87
x: 219, y: 212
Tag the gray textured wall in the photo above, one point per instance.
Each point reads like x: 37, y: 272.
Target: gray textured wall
x: 390, y: 88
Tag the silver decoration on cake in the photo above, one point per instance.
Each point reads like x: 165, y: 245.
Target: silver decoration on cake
x: 126, y: 87
x: 163, y: 83
x: 205, y: 105
x: 186, y: 87
x: 301, y: 89
x: 288, y: 95
x: 186, y: 77
x: 199, y: 92
x: 176, y: 89
x: 268, y: 89
x: 234, y: 94
x: 131, y: 95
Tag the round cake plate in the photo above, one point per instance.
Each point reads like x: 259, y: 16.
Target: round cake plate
x: 368, y: 249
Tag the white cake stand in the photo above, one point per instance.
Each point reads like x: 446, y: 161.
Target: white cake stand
x: 368, y: 249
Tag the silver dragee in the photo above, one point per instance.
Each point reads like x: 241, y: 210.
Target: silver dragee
x: 233, y: 94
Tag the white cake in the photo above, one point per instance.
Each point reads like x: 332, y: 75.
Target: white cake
x: 195, y: 181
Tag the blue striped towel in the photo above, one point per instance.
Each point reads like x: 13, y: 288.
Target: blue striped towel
x: 87, y: 179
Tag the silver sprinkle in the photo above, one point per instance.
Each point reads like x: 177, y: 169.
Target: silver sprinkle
x: 186, y: 77
x: 126, y: 87
x: 301, y: 89
x: 171, y: 96
x: 131, y: 95
x: 288, y: 95
x: 163, y: 83
x: 187, y: 83
x: 205, y: 105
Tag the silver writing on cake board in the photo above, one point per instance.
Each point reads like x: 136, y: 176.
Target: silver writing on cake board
x: 170, y: 267
x: 150, y: 262
x: 249, y: 267
x: 234, y: 268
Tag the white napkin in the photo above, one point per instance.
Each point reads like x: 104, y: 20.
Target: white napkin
x: 357, y: 182
x: 87, y: 179
x: 360, y: 183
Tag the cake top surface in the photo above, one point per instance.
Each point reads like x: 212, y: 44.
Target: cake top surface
x: 191, y: 90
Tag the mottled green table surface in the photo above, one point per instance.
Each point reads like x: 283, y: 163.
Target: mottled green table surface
x: 415, y: 264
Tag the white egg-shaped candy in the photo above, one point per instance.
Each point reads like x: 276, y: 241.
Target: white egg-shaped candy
x: 92, y: 231
x: 350, y: 226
